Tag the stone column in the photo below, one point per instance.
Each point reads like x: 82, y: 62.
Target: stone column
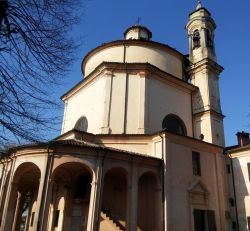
x: 9, y: 188
x: 7, y: 219
x: 47, y: 202
x: 4, y: 189
x: 132, y: 200
x: 95, y: 196
x: 17, y: 211
x: 3, y: 179
x: 27, y: 224
x: 36, y: 224
x: 92, y: 203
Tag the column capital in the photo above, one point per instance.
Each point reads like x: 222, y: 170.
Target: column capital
x: 108, y: 73
x: 142, y: 74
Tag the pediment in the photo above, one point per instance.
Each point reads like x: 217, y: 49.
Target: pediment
x: 198, y: 193
x: 198, y: 187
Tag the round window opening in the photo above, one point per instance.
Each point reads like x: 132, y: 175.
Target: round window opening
x: 174, y: 124
x: 82, y: 124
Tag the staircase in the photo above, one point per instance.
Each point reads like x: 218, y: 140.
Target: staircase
x: 109, y: 223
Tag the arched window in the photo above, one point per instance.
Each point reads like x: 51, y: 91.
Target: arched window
x: 196, y: 39
x: 174, y: 124
x: 82, y: 124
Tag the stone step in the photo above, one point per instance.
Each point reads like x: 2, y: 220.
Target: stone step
x: 116, y: 224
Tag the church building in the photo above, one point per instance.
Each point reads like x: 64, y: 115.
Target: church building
x: 141, y: 146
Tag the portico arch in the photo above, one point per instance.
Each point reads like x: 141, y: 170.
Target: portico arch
x: 149, y: 213
x: 71, y: 190
x: 114, y: 198
x: 21, y: 208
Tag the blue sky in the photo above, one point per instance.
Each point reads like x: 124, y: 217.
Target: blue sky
x: 104, y: 21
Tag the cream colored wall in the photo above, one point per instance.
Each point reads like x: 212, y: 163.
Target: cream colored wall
x: 211, y: 127
x: 242, y: 186
x: 117, y: 108
x: 205, y: 99
x: 88, y: 102
x: 119, y: 121
x: 164, y: 99
x: 202, y: 125
x: 180, y: 177
x: 208, y: 96
x: 136, y: 54
x: 132, y: 103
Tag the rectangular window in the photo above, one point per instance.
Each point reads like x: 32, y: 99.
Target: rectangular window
x: 248, y: 167
x: 199, y: 220
x: 228, y: 169
x: 204, y: 220
x: 196, y: 163
x: 56, y: 218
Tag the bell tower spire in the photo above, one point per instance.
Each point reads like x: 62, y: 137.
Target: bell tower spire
x: 204, y: 72
x: 199, y: 5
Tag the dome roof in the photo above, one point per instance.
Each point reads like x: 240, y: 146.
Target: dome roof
x: 138, y: 32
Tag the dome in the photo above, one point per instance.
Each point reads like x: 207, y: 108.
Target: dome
x: 138, y: 32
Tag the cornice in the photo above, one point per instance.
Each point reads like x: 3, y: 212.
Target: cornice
x: 205, y: 64
x: 236, y: 151
x: 213, y: 112
x: 148, y: 68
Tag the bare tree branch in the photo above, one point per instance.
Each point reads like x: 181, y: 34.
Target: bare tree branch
x: 35, y: 52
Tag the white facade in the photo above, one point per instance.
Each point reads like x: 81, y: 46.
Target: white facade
x: 238, y: 166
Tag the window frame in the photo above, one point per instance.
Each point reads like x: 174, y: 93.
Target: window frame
x: 179, y: 121
x: 196, y: 39
x: 196, y: 163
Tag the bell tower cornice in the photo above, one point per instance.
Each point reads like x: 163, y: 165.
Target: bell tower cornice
x: 205, y: 64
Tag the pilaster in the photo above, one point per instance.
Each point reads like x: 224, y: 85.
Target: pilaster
x: 142, y: 103
x: 108, y: 75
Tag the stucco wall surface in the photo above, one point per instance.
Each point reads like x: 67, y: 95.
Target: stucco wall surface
x: 136, y: 54
x: 86, y: 102
x: 164, y: 99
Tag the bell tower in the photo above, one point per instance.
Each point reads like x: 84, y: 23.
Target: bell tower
x: 204, y: 72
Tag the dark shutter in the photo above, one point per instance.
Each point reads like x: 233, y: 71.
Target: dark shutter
x: 199, y: 220
x: 211, y: 220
